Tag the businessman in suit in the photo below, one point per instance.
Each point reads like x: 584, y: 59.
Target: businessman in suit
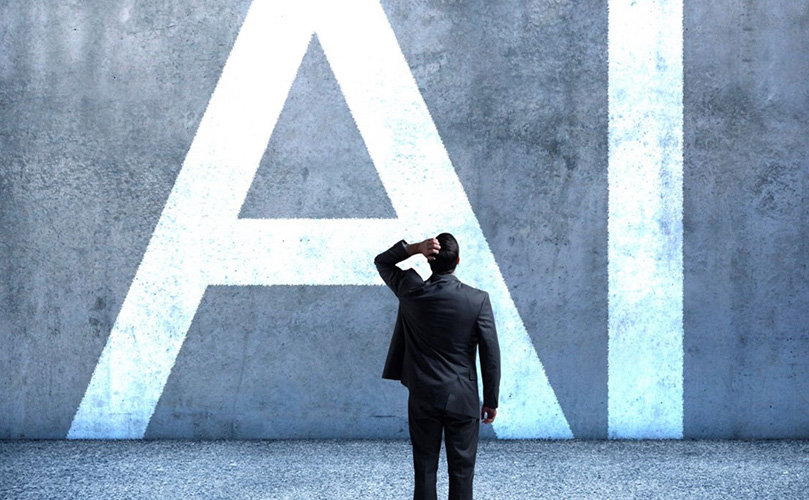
x: 440, y: 325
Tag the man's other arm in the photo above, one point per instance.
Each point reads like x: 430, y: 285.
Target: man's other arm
x: 398, y: 280
x: 489, y: 350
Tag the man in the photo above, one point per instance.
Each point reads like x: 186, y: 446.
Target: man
x: 440, y: 325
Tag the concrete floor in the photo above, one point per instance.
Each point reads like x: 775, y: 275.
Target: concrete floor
x: 381, y: 469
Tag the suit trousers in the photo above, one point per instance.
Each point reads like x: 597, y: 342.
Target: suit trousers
x: 426, y: 423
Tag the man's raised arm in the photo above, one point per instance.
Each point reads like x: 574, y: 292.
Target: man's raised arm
x: 398, y: 280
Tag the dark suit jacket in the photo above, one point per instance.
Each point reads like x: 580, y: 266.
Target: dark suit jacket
x: 440, y: 325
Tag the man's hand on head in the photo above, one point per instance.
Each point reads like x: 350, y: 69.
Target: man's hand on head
x: 487, y: 414
x: 428, y: 248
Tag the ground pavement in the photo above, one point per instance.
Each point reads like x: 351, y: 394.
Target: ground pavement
x: 377, y: 469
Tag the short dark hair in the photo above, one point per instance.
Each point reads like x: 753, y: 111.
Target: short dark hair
x: 447, y: 257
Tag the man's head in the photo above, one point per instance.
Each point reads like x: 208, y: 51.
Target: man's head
x: 448, y: 255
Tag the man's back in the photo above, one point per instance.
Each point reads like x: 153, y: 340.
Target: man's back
x: 439, y: 321
x: 440, y: 324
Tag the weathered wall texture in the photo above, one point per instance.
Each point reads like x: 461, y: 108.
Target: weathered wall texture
x: 100, y: 101
x: 746, y: 219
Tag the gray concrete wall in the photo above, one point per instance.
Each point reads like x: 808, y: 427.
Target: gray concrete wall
x: 746, y: 219
x: 100, y: 101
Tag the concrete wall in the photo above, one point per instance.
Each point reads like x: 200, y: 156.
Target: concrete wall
x: 100, y: 101
x: 746, y: 231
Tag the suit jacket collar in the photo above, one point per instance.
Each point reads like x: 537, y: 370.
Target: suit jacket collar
x: 443, y: 277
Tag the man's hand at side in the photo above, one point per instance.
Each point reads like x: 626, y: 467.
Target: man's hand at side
x: 428, y: 248
x: 487, y: 414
